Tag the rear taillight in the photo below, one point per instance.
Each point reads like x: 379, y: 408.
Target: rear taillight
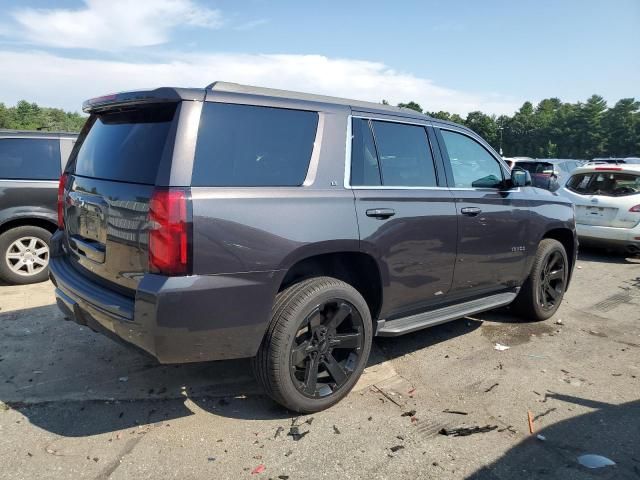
x: 635, y: 209
x: 604, y: 169
x: 61, y: 187
x: 169, y: 234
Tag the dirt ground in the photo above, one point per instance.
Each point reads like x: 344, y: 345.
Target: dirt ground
x: 77, y: 405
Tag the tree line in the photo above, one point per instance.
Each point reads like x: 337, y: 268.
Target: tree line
x: 551, y: 129
x: 556, y: 129
x: 30, y: 116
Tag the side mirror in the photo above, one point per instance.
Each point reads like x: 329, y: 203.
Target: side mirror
x: 520, y: 177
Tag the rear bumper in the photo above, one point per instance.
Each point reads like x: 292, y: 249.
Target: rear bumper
x: 175, y: 319
x: 614, y: 236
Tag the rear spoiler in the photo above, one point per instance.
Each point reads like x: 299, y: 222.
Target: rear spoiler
x: 159, y: 95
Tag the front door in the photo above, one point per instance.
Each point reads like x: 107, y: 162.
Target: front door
x: 407, y: 219
x: 493, y: 222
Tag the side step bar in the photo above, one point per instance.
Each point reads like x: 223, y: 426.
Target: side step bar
x: 400, y: 326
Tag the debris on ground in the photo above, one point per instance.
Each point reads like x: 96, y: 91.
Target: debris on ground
x: 395, y: 448
x: 279, y: 430
x: 410, y: 392
x: 308, y: 421
x: 123, y: 379
x: 295, y: 433
x: 410, y: 413
x: 559, y: 321
x: 283, y: 477
x: 541, y: 438
x: 4, y: 407
x: 259, y: 469
x: 211, y: 459
x: 370, y: 418
x: 336, y: 430
x: 530, y: 419
x: 491, y: 387
x: 466, y: 431
x: 455, y: 412
x: 289, y: 452
x: 500, y: 347
x: 595, y: 461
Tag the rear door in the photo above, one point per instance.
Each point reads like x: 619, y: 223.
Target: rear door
x: 29, y: 173
x: 406, y: 215
x: 493, y: 223
x: 120, y: 156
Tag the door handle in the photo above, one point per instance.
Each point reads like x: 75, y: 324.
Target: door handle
x: 470, y: 211
x: 381, y: 213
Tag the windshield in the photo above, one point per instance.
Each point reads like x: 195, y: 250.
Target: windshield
x: 536, y: 167
x: 612, y: 184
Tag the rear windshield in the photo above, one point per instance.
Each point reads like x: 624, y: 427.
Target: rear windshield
x: 29, y: 159
x: 611, y: 184
x: 536, y: 167
x: 125, y: 146
x: 249, y: 146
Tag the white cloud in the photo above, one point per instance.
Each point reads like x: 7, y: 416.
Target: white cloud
x: 250, y: 25
x: 52, y: 80
x: 114, y: 24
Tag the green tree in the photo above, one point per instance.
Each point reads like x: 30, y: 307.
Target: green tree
x: 485, y: 126
x: 621, y: 128
x: 411, y: 105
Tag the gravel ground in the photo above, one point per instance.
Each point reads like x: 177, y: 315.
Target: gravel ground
x: 77, y: 405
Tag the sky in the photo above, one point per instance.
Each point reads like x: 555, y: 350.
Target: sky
x: 458, y: 56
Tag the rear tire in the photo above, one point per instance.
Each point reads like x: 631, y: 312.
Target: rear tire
x: 316, y: 346
x: 24, y: 255
x: 542, y: 293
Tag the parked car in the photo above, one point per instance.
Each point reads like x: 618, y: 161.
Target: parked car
x: 236, y: 221
x: 548, y: 173
x: 616, y: 160
x: 30, y: 167
x: 607, y: 200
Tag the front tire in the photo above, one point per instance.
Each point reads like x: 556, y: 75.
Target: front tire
x: 316, y: 346
x: 542, y: 293
x: 24, y: 255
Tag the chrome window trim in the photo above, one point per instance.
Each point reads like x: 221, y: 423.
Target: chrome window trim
x: 347, y: 163
x: 314, y: 160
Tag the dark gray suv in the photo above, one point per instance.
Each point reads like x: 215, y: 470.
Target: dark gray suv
x: 30, y: 166
x: 234, y: 221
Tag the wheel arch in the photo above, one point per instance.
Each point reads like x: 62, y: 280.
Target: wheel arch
x: 42, y: 222
x: 358, y: 269
x: 568, y: 240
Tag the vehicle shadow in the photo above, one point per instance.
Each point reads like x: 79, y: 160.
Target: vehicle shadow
x: 73, y: 382
x: 604, y: 255
x: 611, y: 431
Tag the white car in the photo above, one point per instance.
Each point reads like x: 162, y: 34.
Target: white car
x: 607, y: 204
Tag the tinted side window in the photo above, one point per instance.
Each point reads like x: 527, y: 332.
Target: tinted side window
x: 472, y: 165
x: 247, y: 146
x: 404, y: 154
x: 29, y: 159
x: 364, y: 160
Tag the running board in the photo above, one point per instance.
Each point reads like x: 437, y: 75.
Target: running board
x: 400, y: 326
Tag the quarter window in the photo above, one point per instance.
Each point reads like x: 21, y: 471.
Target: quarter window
x: 247, y: 146
x: 29, y: 159
x: 472, y: 165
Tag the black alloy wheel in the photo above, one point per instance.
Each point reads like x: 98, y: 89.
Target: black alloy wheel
x: 326, y: 348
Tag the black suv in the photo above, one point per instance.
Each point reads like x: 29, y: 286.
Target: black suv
x: 30, y: 168
x: 234, y: 221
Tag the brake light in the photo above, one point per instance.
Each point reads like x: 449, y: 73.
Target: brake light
x: 635, y: 209
x: 62, y: 184
x: 169, y: 235
x: 608, y: 168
